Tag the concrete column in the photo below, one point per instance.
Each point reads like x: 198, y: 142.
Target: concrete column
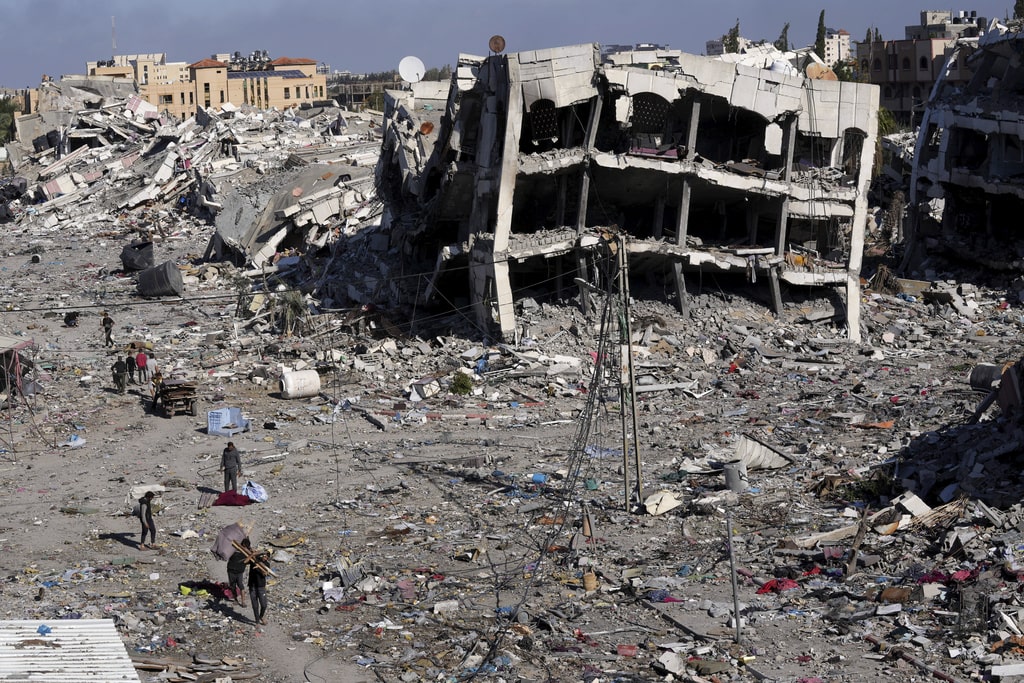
x: 691, y: 133
x: 563, y: 186
x: 659, y: 217
x: 750, y: 216
x: 681, y: 294
x: 773, y: 281
x: 782, y: 228
x: 789, y: 147
x: 683, y: 219
x: 505, y: 199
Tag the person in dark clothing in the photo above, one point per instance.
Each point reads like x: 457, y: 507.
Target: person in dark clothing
x: 129, y: 362
x: 71, y: 319
x: 258, y: 587
x: 146, y: 516
x: 236, y: 570
x: 231, y: 466
x: 108, y: 329
x: 120, y: 372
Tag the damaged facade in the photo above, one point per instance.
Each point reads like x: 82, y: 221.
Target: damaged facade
x: 758, y: 174
x: 969, y: 158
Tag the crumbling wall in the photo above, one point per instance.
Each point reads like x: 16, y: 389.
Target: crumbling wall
x: 712, y: 160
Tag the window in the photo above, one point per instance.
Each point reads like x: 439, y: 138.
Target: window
x: 876, y: 65
x: 891, y: 63
x: 906, y: 64
x: 923, y: 64
x: 888, y: 93
x: 183, y: 99
x: 222, y: 97
x: 287, y: 93
x: 190, y: 98
x: 167, y: 99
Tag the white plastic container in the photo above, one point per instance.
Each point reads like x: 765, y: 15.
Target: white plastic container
x: 300, y: 384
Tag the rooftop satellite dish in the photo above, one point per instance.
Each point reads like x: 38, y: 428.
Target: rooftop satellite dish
x: 411, y: 69
x: 496, y: 43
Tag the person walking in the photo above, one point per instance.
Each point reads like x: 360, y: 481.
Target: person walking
x: 146, y: 516
x: 142, y: 365
x: 120, y: 373
x: 158, y: 383
x: 129, y: 362
x: 236, y: 571
x: 107, y: 323
x: 231, y: 466
x: 258, y: 586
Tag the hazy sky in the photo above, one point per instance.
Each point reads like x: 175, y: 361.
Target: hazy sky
x: 58, y: 37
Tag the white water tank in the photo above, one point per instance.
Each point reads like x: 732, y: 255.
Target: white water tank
x: 300, y: 384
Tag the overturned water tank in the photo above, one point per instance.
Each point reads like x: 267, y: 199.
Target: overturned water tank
x: 137, y: 256
x: 162, y: 280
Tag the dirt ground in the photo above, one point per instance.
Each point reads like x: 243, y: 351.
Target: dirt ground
x: 429, y: 519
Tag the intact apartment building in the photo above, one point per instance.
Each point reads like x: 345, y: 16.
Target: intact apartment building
x: 254, y: 79
x: 708, y: 168
x: 967, y: 184
x: 905, y: 70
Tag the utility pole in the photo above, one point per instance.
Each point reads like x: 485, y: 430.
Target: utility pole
x: 627, y: 380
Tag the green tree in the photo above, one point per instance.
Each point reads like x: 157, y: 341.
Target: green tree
x: 878, y: 35
x: 1018, y: 9
x: 819, y: 41
x: 8, y: 110
x: 782, y: 42
x: 867, y: 38
x: 731, y: 40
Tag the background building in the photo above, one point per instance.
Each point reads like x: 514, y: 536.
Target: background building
x: 905, y: 70
x: 254, y: 79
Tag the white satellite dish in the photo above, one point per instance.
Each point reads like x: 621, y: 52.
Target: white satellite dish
x: 411, y: 69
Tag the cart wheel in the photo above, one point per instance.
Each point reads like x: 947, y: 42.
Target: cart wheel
x: 192, y: 410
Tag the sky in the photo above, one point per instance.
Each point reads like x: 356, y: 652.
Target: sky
x: 57, y: 37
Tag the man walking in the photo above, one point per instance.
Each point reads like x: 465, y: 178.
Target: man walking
x: 258, y: 586
x: 108, y: 329
x: 236, y: 571
x: 142, y: 365
x: 146, y: 516
x: 120, y: 371
x: 231, y: 466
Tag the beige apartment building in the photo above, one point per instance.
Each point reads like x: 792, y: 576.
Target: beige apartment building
x: 905, y: 70
x: 180, y: 89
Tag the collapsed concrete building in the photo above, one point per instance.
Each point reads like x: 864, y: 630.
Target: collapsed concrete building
x: 752, y: 172
x: 968, y: 175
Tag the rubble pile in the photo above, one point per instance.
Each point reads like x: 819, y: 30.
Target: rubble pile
x: 435, y: 509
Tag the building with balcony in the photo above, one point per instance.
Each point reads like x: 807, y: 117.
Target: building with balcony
x: 706, y: 168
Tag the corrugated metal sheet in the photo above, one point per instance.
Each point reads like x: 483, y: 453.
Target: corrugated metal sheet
x: 73, y: 650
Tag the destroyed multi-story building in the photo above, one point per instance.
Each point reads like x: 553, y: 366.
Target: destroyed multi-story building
x: 967, y: 181
x: 749, y: 172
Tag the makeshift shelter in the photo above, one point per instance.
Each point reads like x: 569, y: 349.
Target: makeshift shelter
x: 15, y: 366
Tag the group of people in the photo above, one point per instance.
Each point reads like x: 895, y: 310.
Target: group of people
x: 257, y: 564
x: 245, y: 556
x: 125, y: 369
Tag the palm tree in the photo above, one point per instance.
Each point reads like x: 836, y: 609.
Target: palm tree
x: 292, y: 306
